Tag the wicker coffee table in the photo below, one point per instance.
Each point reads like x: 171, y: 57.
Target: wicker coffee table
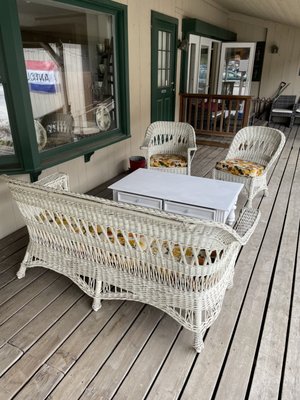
x: 180, y: 194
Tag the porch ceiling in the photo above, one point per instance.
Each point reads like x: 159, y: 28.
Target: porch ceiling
x: 285, y: 12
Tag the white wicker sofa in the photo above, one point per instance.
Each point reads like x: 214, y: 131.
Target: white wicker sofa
x: 112, y: 250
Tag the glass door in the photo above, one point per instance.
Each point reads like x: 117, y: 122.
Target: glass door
x: 199, y: 79
x: 204, y: 65
x: 163, y: 67
x: 236, y: 65
x: 193, y: 63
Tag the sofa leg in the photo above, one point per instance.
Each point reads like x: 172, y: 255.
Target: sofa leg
x: 97, y: 299
x: 198, y: 342
x: 198, y: 336
x: 97, y: 304
x: 21, y: 272
x: 266, y: 192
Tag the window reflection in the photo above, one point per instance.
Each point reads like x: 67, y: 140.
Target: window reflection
x: 69, y: 57
x: 235, y: 68
x: 6, y: 140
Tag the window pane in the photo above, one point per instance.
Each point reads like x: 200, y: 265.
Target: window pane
x: 159, y: 78
x: 69, y: 56
x: 160, y: 40
x: 163, y: 77
x: 164, y: 44
x: 168, y: 41
x: 159, y: 59
x: 6, y: 140
x: 168, y: 55
x: 163, y: 59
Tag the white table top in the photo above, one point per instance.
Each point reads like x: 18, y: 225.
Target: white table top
x: 201, y: 192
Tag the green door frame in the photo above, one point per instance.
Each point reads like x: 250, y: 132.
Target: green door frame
x: 165, y: 96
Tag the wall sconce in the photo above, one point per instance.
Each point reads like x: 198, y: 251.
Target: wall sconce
x: 182, y: 44
x: 274, y: 49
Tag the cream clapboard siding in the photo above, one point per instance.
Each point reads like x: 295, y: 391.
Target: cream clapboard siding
x: 111, y: 160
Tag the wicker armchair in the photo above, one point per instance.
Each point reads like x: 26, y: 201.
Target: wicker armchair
x: 283, y: 108
x: 59, y: 128
x: 170, y: 146
x: 251, y: 154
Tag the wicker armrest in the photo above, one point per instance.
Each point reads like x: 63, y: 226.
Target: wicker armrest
x: 246, y: 224
x: 55, y: 181
x: 146, y: 143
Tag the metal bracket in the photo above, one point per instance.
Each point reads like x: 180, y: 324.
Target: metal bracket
x: 88, y: 156
x: 34, y: 176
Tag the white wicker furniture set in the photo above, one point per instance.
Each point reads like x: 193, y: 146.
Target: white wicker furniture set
x: 113, y: 250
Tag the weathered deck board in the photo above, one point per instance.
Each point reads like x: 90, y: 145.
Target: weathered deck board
x: 291, y: 378
x: 13, y: 325
x: 27, y: 336
x: 147, y: 366
x: 76, y: 381
x: 268, y: 368
x: 217, y: 341
x: 31, y: 287
x: 65, y: 357
x: 52, y: 346
x: 178, y: 363
x: 8, y: 356
x: 43, y: 381
x: 242, y: 352
x: 13, y: 238
x: 19, y: 374
x: 109, y: 378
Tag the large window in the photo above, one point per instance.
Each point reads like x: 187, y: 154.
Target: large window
x: 69, y: 56
x: 75, y: 73
x: 6, y: 139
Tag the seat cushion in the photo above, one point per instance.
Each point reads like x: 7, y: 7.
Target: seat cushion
x: 168, y: 160
x: 240, y: 167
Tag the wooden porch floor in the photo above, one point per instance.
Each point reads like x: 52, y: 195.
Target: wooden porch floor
x: 53, y: 346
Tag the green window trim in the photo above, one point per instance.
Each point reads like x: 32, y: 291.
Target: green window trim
x: 27, y: 158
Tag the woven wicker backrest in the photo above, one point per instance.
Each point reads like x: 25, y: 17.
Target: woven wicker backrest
x: 256, y: 143
x: 171, y: 137
x: 74, y: 223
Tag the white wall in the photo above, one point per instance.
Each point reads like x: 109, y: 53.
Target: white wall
x: 111, y: 160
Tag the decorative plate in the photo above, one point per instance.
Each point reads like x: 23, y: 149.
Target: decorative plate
x: 103, y: 119
x: 41, y: 134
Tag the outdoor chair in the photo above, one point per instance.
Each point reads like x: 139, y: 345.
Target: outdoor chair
x: 283, y: 108
x: 170, y: 146
x: 297, y: 113
x: 251, y: 155
x: 59, y: 128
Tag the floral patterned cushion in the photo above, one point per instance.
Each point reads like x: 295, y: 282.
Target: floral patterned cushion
x: 168, y: 160
x: 165, y: 249
x: 240, y: 167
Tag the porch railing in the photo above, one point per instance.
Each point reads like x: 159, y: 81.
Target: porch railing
x: 215, y: 115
